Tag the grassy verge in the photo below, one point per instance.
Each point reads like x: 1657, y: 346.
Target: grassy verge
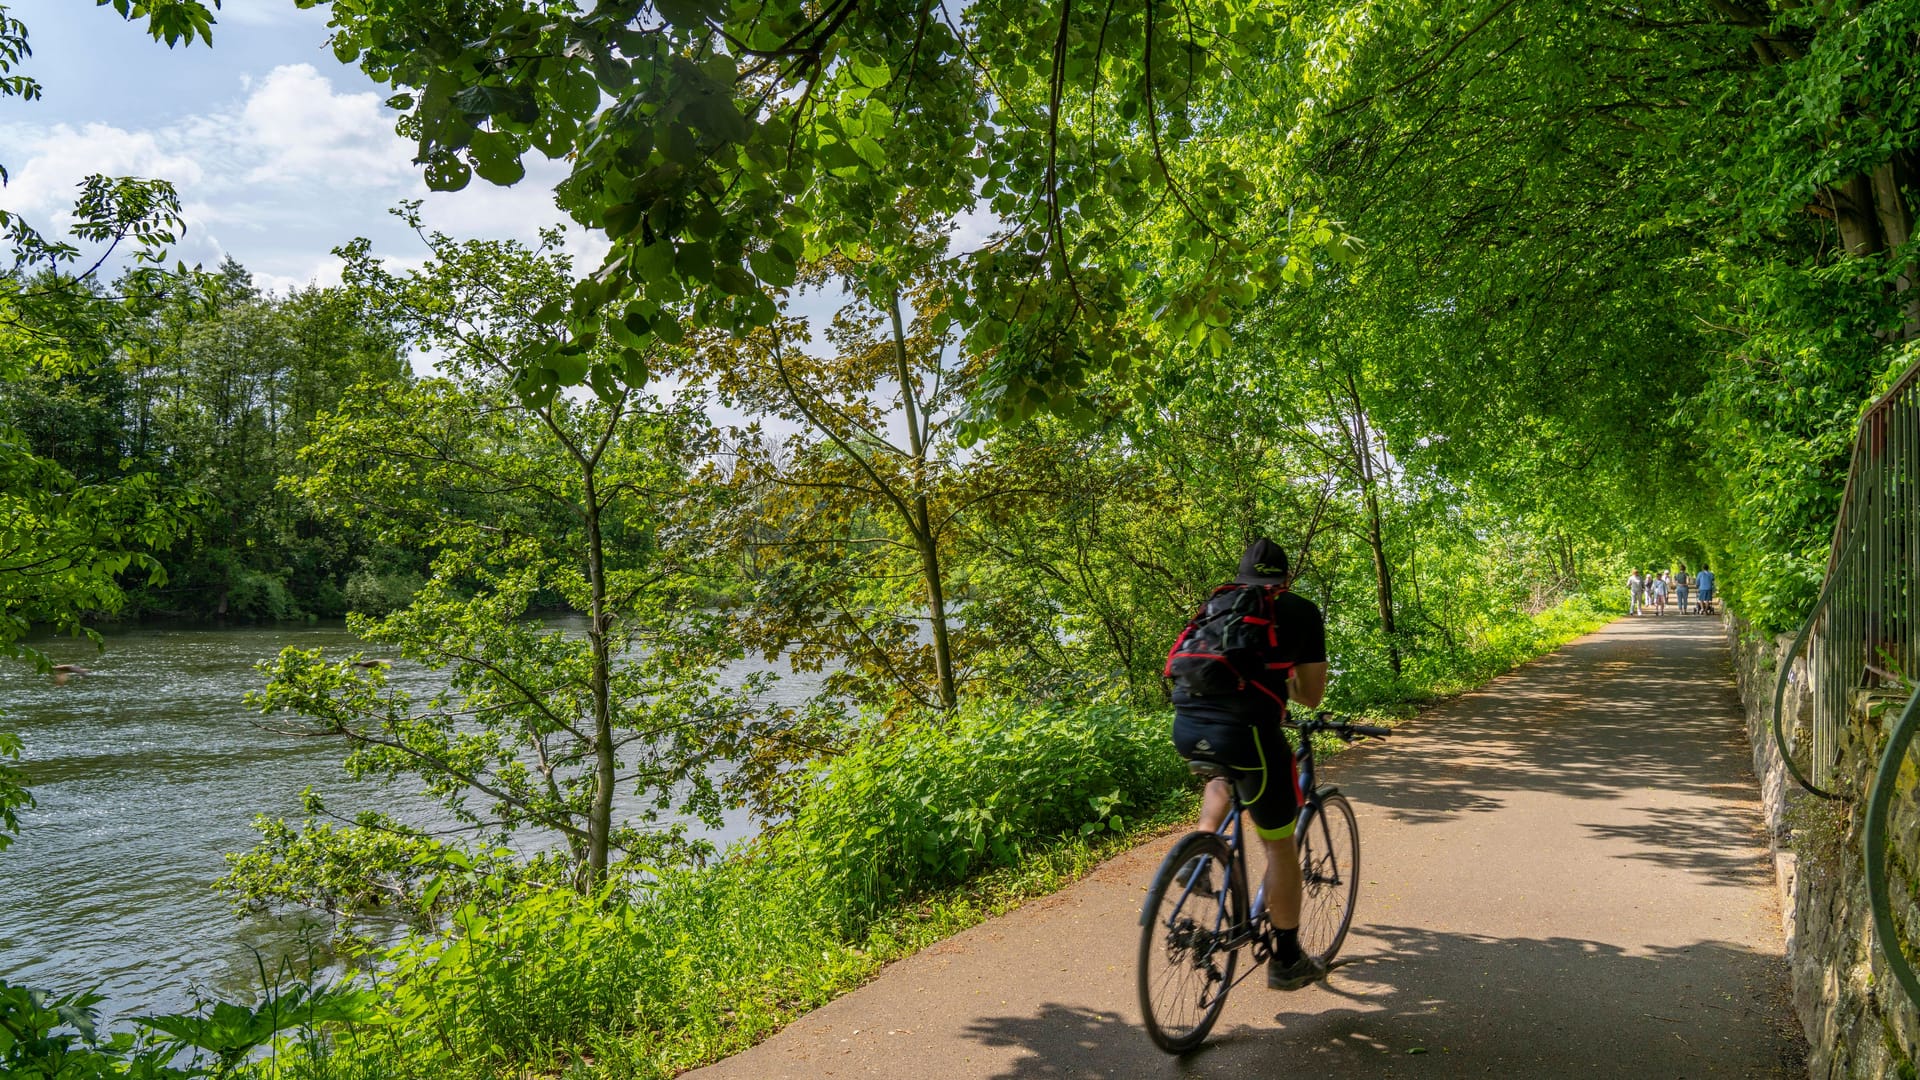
x: 1496, y: 649
x: 897, y: 844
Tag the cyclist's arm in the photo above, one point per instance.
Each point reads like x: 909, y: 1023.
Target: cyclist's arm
x: 1307, y: 684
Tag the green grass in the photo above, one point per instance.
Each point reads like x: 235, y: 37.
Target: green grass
x: 899, y: 843
x: 1497, y: 648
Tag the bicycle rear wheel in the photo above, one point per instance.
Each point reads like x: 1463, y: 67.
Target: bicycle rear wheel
x: 1185, y: 966
x: 1329, y: 843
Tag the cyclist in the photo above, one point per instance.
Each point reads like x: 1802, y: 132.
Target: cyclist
x: 1243, y: 733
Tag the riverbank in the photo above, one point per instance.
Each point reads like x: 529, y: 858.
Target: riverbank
x: 897, y: 845
x: 145, y: 774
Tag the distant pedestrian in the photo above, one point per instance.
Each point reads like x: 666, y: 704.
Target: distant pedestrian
x: 1636, y: 590
x: 1681, y: 583
x: 1703, y: 584
x: 1660, y: 594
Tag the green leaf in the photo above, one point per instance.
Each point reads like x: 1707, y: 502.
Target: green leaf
x: 569, y: 365
x: 869, y: 69
x: 496, y: 158
x: 577, y: 93
x: 654, y: 262
x: 772, y: 269
x: 446, y: 172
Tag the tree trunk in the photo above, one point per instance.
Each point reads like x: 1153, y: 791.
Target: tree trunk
x: 600, y: 817
x: 1853, y: 212
x: 1382, y: 579
x: 1376, y: 531
x: 925, y: 537
x: 1895, y: 217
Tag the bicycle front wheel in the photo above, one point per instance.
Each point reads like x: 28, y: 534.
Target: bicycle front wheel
x: 1329, y: 843
x: 1195, y: 905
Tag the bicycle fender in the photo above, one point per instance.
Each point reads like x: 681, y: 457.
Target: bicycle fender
x: 1166, y: 862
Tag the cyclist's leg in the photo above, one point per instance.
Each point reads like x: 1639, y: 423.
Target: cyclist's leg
x: 1274, y: 804
x: 1215, y: 802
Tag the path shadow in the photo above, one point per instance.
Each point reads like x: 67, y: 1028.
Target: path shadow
x: 1645, y: 705
x: 1445, y: 1004
x: 1720, y: 847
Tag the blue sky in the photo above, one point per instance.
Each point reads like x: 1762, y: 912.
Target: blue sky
x: 279, y: 151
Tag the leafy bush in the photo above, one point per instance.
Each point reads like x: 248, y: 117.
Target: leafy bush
x: 258, y: 595
x: 371, y: 593
x: 49, y: 1037
x: 935, y: 802
x: 644, y: 980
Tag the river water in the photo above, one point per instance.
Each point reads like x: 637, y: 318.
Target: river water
x: 145, y: 772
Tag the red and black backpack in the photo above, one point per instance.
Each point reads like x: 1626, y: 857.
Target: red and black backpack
x: 1228, y: 645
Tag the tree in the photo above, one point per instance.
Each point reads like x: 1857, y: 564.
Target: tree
x: 739, y: 142
x: 870, y: 477
x: 524, y: 504
x: 65, y: 541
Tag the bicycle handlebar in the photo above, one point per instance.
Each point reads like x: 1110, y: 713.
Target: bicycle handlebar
x: 1324, y: 721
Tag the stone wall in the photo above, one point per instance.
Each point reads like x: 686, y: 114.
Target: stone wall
x: 1859, y: 1022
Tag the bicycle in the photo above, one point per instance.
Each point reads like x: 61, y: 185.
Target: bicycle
x: 1192, y: 933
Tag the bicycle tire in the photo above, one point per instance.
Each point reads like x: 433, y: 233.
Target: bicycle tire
x: 1183, y: 975
x: 1329, y: 843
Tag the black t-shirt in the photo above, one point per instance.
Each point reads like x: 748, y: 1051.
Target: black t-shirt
x: 1302, y: 634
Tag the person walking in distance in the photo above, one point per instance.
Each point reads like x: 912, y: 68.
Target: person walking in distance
x: 1280, y: 658
x: 1659, y: 589
x: 1636, y: 589
x: 1681, y: 583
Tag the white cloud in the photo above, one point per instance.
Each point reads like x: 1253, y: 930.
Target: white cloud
x: 308, y: 133
x: 58, y: 158
x: 278, y: 177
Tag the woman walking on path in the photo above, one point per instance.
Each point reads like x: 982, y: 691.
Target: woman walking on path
x: 1660, y: 594
x: 1681, y: 582
x: 1636, y: 588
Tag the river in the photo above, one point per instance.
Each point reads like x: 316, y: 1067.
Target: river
x: 145, y: 773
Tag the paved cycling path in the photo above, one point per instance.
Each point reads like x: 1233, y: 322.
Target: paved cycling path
x: 1564, y: 876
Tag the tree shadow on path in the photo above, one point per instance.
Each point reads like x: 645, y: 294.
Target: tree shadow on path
x: 1647, y: 705
x: 1444, y: 1004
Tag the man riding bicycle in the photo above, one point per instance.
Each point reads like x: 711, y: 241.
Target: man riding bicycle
x: 1241, y: 731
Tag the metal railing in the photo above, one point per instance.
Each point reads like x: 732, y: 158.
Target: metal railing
x: 1862, y: 634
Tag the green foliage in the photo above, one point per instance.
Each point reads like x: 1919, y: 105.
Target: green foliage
x: 374, y: 868
x: 931, y: 804
x: 642, y: 979
x: 524, y: 503
x: 739, y: 142
x: 14, y: 796
x: 48, y: 1037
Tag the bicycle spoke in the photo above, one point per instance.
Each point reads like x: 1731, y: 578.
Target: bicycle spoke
x: 1329, y: 868
x: 1185, y: 967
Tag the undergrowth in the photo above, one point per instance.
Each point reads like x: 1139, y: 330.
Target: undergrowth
x: 1495, y: 648
x: 897, y: 844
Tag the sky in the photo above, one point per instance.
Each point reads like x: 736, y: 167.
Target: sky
x: 280, y: 152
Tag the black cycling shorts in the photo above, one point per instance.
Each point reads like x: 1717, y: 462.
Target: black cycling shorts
x: 1260, y: 757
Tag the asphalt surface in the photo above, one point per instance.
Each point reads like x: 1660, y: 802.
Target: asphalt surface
x: 1564, y: 875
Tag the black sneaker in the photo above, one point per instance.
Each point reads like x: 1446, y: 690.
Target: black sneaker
x: 1301, y: 972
